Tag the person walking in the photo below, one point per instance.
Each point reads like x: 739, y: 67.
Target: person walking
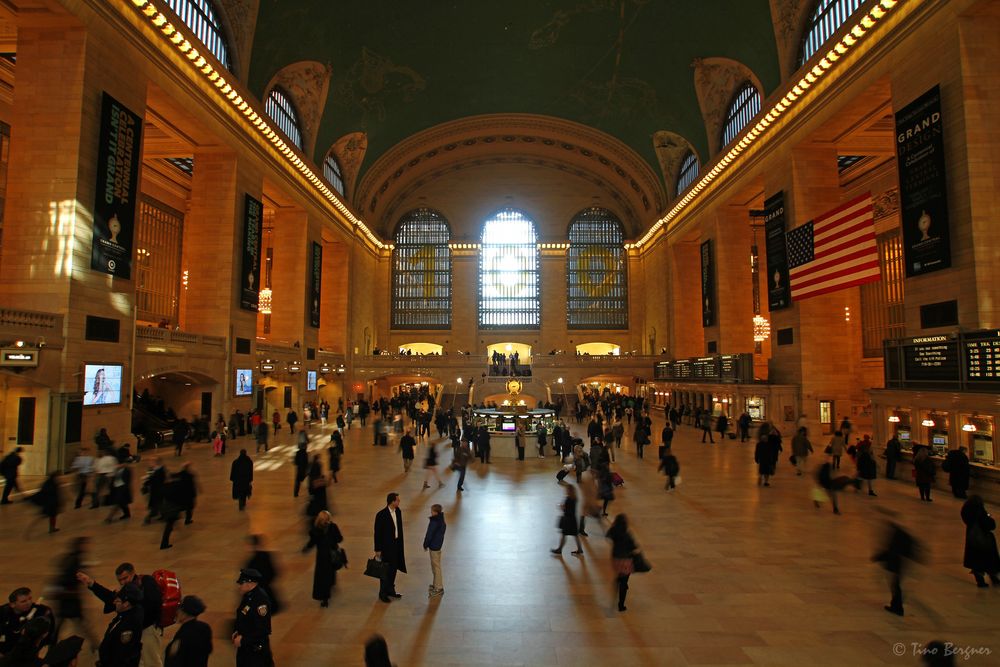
x: 241, y: 475
x: 152, y: 487
x: 981, y: 556
x: 433, y: 542
x: 407, y: 446
x: 121, y: 492
x: 49, y: 502
x: 899, y: 548
x: 605, y: 487
x: 292, y: 418
x: 389, y: 546
x: 192, y: 643
x: 623, y: 551
x: 641, y: 436
x: 264, y: 562
x: 893, y: 450
x: 66, y: 588
x: 187, y: 491
x: 924, y: 472
x: 830, y: 485
x: 325, y: 537
x: 744, y: 425
x: 706, y: 426
x: 764, y: 456
x: 541, y: 435
x: 333, y: 455
x: 867, y: 468
x: 276, y: 421
x: 83, y: 466
x: 8, y: 469
x: 301, y: 468
x: 261, y: 433
x: 956, y: 464
x: 171, y: 508
x: 722, y: 425
x: 104, y: 473
x: 671, y: 468
x: 801, y: 449
x: 318, y: 500
x: 568, y: 524
x: 431, y: 466
x: 836, y: 447
x: 461, y: 463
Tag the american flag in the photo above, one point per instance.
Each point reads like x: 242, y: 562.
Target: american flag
x: 835, y: 251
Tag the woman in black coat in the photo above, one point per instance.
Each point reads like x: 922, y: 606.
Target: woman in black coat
x: 241, y: 475
x: 317, y: 489
x: 765, y: 455
x: 325, y: 537
x: 981, y: 556
x: 568, y: 524
x: 49, y: 500
x: 956, y: 464
x: 623, y: 547
x: 867, y: 468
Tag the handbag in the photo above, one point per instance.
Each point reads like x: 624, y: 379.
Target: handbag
x: 338, y: 557
x: 375, y: 568
x: 639, y: 563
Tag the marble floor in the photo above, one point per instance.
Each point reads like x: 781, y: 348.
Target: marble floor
x: 741, y: 574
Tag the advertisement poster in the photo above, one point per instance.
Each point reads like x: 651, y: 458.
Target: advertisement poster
x: 250, y: 267
x: 922, y: 187
x: 102, y: 384
x: 776, y: 269
x: 244, y: 381
x: 707, y: 285
x: 315, y: 279
x: 118, y: 156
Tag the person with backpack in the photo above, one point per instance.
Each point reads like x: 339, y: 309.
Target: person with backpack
x: 150, y: 602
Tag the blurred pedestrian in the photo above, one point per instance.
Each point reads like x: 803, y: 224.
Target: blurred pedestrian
x: 981, y: 556
x: 899, y: 548
x: 192, y: 643
x: 956, y: 464
x: 241, y: 476
x: 263, y: 561
x: 867, y: 468
x: 49, y: 502
x: 924, y: 472
x: 325, y: 537
x: 568, y: 524
x: 623, y: 552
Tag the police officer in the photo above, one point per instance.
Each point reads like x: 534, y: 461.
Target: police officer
x: 253, y: 622
x: 122, y: 643
x: 16, y: 615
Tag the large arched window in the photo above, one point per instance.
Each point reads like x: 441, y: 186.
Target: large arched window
x: 281, y: 110
x: 687, y: 173
x: 201, y: 17
x: 745, y: 105
x: 509, y: 281
x: 826, y: 19
x: 421, y: 272
x: 331, y: 170
x: 596, y: 277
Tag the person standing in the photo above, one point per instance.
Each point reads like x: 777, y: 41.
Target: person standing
x: 192, y: 644
x: 893, y: 449
x: 433, y: 542
x: 301, y: 468
x: 867, y: 468
x: 260, y: 431
x: 292, y: 418
x: 836, y: 447
x: 121, y: 492
x: 8, y: 468
x: 568, y: 523
x: 252, y: 636
x: 541, y: 435
x: 744, y: 425
x: 801, y: 449
x: 83, y: 466
x: 722, y: 425
x: 276, y: 422
x: 325, y: 537
x: 407, y: 445
x: 484, y: 445
x: 764, y: 456
x: 706, y: 426
x: 388, y: 532
x: 623, y: 549
x: 519, y: 443
x: 956, y: 464
x: 924, y: 472
x: 461, y: 462
x: 431, y: 466
x: 16, y: 615
x: 981, y: 556
x: 641, y: 436
x: 241, y: 475
x: 123, y: 640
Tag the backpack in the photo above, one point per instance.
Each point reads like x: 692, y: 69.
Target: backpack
x: 170, y: 592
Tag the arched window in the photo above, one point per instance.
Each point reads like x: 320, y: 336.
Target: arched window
x: 200, y: 16
x: 421, y: 272
x: 509, y: 281
x: 331, y: 170
x: 596, y: 277
x: 688, y: 172
x: 279, y: 107
x: 745, y: 105
x: 826, y: 19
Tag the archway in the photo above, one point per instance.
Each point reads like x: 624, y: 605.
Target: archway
x: 598, y: 349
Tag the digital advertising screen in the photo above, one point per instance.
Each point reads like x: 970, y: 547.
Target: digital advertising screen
x: 310, y: 380
x: 102, y: 384
x: 244, y: 381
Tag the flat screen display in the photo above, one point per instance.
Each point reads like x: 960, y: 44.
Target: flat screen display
x: 244, y: 381
x: 310, y: 380
x: 508, y: 426
x: 102, y: 384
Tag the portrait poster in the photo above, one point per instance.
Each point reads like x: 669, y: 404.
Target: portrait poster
x: 776, y: 270
x: 922, y: 185
x: 250, y: 266
x: 118, y: 156
x: 707, y: 284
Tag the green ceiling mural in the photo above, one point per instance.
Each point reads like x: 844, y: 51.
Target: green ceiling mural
x: 622, y: 66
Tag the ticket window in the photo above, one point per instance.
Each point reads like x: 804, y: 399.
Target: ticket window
x: 755, y: 408
x: 977, y: 437
x: 938, y: 434
x: 826, y: 416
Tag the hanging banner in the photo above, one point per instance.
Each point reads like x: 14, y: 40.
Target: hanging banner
x: 118, y: 155
x: 778, y: 295
x: 315, y: 280
x: 922, y: 186
x: 250, y: 267
x: 707, y: 285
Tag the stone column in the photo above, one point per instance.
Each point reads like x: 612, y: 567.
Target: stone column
x: 687, y: 334
x: 290, y: 276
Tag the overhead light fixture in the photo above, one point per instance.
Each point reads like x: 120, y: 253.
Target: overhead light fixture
x: 969, y: 428
x: 927, y: 422
x: 893, y: 419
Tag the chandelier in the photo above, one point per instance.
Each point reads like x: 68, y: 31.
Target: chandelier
x: 761, y: 329
x: 264, y: 301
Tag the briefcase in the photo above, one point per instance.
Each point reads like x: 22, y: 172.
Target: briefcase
x: 375, y: 568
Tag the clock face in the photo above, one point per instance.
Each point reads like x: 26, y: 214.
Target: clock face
x: 514, y: 386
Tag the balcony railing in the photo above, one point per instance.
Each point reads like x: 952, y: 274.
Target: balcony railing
x: 173, y: 336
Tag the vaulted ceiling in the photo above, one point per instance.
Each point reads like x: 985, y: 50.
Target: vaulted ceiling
x: 622, y: 67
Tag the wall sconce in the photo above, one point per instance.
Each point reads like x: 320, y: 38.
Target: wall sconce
x: 969, y: 428
x: 927, y: 422
x: 893, y: 419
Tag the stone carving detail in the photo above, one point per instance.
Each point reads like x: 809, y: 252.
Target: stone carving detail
x: 670, y: 150
x: 308, y: 83
x: 886, y: 204
x: 241, y: 18
x: 350, y: 152
x: 716, y: 81
x: 790, y: 18
x: 375, y: 80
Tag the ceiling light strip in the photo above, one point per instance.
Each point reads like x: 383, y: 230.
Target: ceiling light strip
x: 792, y: 99
x: 228, y: 92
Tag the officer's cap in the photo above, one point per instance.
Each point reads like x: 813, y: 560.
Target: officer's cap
x: 249, y: 574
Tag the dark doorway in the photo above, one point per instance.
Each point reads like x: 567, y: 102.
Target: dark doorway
x: 288, y: 397
x: 206, y: 404
x: 73, y: 428
x: 26, y: 420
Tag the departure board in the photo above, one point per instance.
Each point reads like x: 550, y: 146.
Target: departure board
x: 728, y: 368
x: 981, y: 352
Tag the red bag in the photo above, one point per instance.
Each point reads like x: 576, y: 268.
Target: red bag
x: 617, y: 479
x: 170, y: 592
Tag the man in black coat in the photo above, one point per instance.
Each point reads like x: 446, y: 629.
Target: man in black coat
x: 155, y: 482
x: 8, y: 468
x: 192, y: 644
x: 187, y: 491
x: 301, y: 467
x: 956, y: 464
x: 147, y: 600
x: 389, y: 546
x: 241, y: 475
x: 252, y: 637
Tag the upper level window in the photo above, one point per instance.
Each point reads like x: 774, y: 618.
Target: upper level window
x: 421, y: 272
x: 828, y: 16
x: 201, y: 18
x: 745, y: 105
x: 688, y: 172
x: 279, y: 107
x: 331, y: 170
x: 596, y: 277
x: 509, y: 281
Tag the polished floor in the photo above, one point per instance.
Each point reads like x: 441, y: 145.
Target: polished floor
x: 742, y: 574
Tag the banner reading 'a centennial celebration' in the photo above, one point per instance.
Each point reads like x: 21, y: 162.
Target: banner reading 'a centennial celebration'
x: 778, y: 296
x: 922, y: 196
x: 707, y: 285
x: 315, y: 280
x: 117, y: 183
x: 250, y: 267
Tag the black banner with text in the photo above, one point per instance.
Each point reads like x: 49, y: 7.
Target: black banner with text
x: 315, y: 280
x: 250, y: 266
x: 707, y: 284
x: 778, y: 294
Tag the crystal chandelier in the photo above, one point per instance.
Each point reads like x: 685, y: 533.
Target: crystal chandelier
x: 761, y: 329
x: 264, y: 301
